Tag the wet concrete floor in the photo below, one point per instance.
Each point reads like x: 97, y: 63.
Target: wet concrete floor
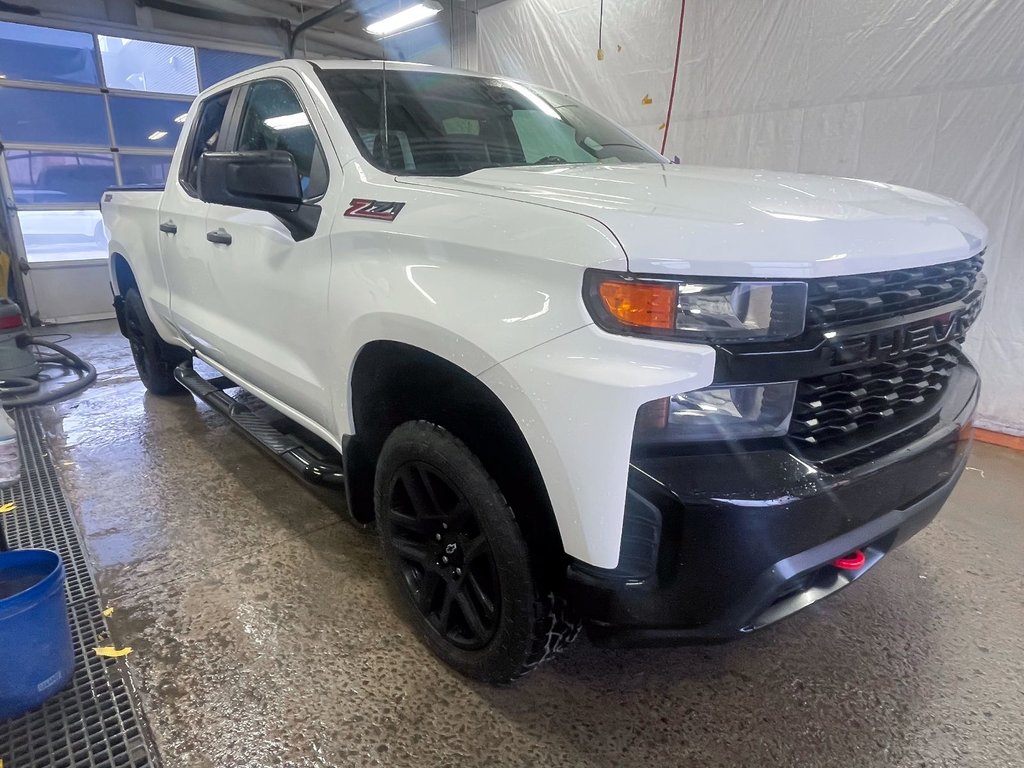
x: 263, y: 633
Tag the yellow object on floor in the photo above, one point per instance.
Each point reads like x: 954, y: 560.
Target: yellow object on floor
x: 111, y: 652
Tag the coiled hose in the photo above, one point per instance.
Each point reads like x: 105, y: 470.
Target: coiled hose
x: 18, y: 392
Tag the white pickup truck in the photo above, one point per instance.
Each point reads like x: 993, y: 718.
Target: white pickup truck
x: 571, y: 383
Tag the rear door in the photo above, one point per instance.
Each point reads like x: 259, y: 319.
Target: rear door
x: 271, y: 289
x: 182, y: 229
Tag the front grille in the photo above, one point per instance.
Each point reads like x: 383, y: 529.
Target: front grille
x: 887, y: 375
x: 837, y: 405
x: 880, y: 294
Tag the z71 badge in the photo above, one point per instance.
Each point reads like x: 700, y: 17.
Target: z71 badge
x: 374, y: 209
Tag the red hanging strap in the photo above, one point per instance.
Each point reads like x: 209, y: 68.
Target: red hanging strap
x: 675, y: 76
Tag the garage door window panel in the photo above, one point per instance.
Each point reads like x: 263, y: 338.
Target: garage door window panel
x: 80, y: 113
x: 142, y: 65
x: 273, y: 119
x: 65, y: 235
x: 215, y: 66
x: 47, y: 55
x: 41, y: 177
x: 148, y: 170
x: 36, y: 116
x: 147, y: 123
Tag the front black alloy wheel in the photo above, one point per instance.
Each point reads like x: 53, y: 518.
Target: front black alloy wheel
x: 445, y: 560
x: 459, y: 561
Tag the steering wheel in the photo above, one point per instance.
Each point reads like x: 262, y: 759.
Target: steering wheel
x: 549, y: 160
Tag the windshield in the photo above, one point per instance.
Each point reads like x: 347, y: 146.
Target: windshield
x: 440, y: 124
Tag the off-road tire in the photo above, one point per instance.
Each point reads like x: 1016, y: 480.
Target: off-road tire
x: 528, y: 623
x: 155, y: 359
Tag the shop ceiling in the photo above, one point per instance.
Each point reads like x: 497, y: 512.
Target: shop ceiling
x: 340, y: 25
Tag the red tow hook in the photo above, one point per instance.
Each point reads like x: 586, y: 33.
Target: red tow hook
x: 851, y: 562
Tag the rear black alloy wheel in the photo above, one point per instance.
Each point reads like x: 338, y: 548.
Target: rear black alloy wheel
x: 155, y: 359
x: 446, y: 562
x: 459, y: 561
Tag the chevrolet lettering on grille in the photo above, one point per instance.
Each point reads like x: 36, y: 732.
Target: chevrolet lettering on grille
x: 894, y: 342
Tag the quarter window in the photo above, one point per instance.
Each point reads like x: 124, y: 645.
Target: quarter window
x: 273, y: 119
x: 207, y: 132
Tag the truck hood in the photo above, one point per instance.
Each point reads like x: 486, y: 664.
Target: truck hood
x: 729, y: 222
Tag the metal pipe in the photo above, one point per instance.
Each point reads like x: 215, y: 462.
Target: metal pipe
x: 24, y: 10
x: 312, y: 21
x: 211, y: 14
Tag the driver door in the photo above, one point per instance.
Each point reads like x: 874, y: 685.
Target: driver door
x: 272, y: 288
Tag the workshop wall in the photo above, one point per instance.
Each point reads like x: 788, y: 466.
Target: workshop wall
x: 926, y: 93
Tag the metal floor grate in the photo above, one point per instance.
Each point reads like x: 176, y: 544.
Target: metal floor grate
x: 94, y: 722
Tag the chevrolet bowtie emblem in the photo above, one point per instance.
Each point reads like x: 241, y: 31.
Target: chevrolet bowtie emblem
x: 943, y: 323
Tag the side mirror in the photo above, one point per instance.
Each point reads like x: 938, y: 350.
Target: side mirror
x: 262, y: 181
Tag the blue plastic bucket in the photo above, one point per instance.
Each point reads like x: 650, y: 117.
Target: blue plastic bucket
x: 36, y: 656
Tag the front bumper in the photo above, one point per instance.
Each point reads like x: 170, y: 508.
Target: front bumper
x: 737, y: 540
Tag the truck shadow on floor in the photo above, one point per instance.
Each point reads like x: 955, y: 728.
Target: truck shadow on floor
x: 844, y: 678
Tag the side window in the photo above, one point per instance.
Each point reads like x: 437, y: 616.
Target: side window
x: 204, y: 136
x: 273, y: 118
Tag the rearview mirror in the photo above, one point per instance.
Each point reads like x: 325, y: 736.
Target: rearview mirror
x: 262, y: 181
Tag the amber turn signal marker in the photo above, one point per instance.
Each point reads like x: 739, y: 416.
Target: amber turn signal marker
x: 641, y: 304
x: 652, y: 416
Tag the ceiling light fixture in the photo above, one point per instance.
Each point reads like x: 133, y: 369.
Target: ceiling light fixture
x: 156, y: 135
x: 405, y: 18
x: 180, y: 119
x: 284, y: 122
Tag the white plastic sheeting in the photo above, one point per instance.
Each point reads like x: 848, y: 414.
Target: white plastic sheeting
x: 927, y: 93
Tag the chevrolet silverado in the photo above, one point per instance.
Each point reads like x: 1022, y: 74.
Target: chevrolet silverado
x: 572, y: 384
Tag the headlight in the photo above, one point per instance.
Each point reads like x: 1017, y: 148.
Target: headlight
x: 698, y: 309
x: 720, y: 413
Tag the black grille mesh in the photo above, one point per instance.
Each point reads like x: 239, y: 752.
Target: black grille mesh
x: 876, y: 295
x: 839, y: 404
x: 93, y: 723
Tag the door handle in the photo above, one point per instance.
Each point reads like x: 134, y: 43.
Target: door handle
x: 169, y: 227
x: 219, y: 236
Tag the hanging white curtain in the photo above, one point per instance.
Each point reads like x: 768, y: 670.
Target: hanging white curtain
x: 926, y: 93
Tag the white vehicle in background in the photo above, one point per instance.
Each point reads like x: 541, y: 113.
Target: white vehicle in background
x: 571, y: 383
x: 62, y: 227
x: 54, y: 181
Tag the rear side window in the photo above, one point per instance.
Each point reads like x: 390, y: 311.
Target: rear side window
x: 204, y: 137
x: 273, y: 119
